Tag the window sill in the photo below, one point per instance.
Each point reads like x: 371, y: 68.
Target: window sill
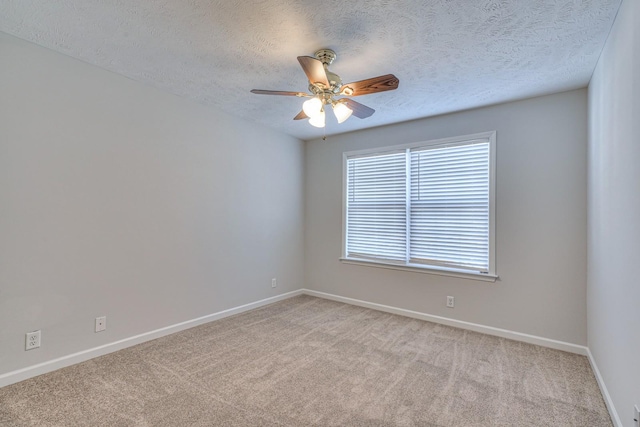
x: 425, y: 270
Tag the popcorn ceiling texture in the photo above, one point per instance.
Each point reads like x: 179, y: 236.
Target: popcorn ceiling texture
x: 448, y: 54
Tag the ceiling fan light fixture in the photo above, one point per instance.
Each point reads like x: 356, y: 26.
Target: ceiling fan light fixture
x: 318, y: 120
x: 325, y: 85
x: 341, y: 111
x: 313, y: 107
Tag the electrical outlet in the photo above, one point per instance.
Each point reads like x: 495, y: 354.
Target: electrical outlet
x: 32, y: 340
x: 274, y: 282
x: 450, y: 302
x: 101, y: 323
x: 636, y: 415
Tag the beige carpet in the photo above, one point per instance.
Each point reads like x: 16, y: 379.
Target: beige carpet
x: 312, y: 362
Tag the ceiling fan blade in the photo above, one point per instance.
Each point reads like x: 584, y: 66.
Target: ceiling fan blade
x: 278, y: 92
x: 314, y: 70
x: 359, y: 110
x: 373, y: 85
x: 301, y: 115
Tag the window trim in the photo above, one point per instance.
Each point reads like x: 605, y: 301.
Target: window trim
x: 491, y: 276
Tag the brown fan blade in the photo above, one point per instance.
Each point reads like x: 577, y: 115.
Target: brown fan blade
x: 278, y: 92
x: 301, y: 115
x: 359, y: 110
x: 314, y: 70
x: 373, y: 85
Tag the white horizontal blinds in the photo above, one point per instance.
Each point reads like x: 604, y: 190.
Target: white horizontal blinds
x: 449, y: 214
x: 376, y: 207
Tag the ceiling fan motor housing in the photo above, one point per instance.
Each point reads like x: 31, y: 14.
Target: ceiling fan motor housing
x: 326, y: 56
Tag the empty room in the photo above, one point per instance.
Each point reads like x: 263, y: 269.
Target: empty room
x: 296, y: 213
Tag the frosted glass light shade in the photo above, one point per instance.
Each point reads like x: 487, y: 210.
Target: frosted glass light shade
x: 341, y: 111
x: 312, y: 107
x: 318, y: 120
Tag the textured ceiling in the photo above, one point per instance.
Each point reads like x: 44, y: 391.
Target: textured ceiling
x: 448, y: 54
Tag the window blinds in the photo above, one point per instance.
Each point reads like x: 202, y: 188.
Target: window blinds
x: 450, y: 206
x: 376, y: 207
x: 425, y: 205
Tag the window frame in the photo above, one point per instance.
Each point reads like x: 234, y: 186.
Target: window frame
x: 491, y: 275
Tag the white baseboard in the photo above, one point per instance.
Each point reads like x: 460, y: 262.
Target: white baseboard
x: 605, y: 393
x: 489, y: 330
x: 71, y: 359
x: 61, y: 362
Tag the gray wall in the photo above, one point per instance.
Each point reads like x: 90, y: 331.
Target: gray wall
x: 614, y: 212
x: 121, y: 200
x: 540, y: 230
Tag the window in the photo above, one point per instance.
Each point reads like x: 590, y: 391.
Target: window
x: 425, y: 206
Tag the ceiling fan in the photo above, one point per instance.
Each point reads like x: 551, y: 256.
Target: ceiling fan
x: 325, y: 86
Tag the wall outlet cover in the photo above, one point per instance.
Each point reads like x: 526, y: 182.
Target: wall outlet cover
x: 32, y: 340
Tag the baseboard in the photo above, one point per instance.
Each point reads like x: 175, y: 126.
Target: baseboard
x: 489, y: 330
x: 605, y: 393
x: 71, y: 359
x: 61, y: 362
